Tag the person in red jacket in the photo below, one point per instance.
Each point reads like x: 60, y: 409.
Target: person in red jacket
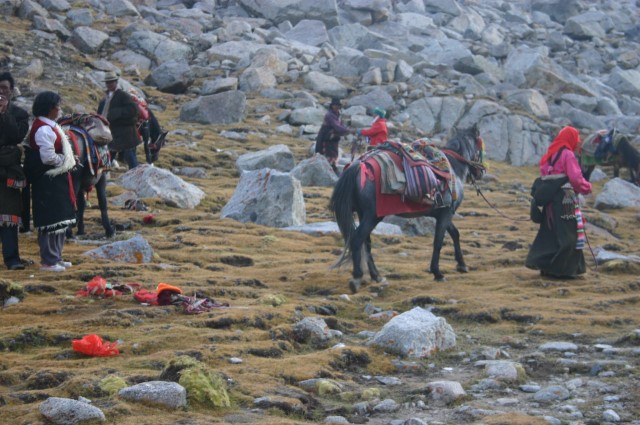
x: 378, y: 132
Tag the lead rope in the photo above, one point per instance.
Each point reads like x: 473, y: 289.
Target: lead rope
x: 479, y: 192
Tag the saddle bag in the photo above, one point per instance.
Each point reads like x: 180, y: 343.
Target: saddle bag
x: 422, y: 184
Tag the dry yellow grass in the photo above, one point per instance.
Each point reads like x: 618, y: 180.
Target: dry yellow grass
x: 499, y: 300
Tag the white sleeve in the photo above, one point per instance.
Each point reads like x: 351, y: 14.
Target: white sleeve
x: 45, y: 138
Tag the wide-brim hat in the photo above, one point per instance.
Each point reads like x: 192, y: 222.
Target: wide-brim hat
x: 335, y: 102
x: 110, y: 76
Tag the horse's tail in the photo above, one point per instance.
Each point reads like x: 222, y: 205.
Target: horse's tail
x: 342, y: 207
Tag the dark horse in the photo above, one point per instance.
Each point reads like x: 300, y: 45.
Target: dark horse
x: 465, y: 154
x: 609, y: 147
x: 153, y: 137
x: 89, y: 135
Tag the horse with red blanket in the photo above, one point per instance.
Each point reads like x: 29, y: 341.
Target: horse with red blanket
x: 436, y: 190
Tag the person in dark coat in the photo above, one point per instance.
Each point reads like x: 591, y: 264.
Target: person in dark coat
x: 49, y: 160
x: 330, y: 133
x: 557, y: 250
x: 122, y: 113
x: 14, y: 125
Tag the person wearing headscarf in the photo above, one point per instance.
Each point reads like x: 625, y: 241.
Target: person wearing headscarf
x: 331, y: 131
x: 557, y: 250
x: 378, y: 132
x: 49, y: 160
x: 14, y: 125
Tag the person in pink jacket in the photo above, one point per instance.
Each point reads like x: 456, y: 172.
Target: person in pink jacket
x: 557, y: 250
x: 378, y: 132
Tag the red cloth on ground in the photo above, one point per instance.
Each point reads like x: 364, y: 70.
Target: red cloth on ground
x: 93, y: 345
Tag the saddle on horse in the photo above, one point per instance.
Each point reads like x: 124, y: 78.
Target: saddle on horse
x: 420, y: 172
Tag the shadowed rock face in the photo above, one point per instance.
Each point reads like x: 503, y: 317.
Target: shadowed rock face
x: 222, y: 77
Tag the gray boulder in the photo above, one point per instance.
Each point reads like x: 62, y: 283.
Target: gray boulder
x: 267, y: 197
x: 315, y: 171
x: 618, y: 193
x: 309, y: 31
x: 173, y: 77
x: 65, y: 411
x: 135, y: 250
x: 222, y: 108
x: 416, y: 333
x: 278, y: 11
x: 88, y: 40
x: 120, y: 8
x: 324, y: 84
x: 159, y: 47
x: 154, y: 182
x: 167, y: 394
x: 276, y: 157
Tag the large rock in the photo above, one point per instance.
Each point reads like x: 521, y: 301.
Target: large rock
x: 309, y: 31
x: 64, y: 411
x: 135, y: 250
x: 159, y: 47
x: 276, y: 157
x: 618, y: 193
x: 167, y: 394
x: 88, y: 40
x: 315, y: 171
x: 154, y: 182
x: 324, y: 84
x: 267, y: 197
x: 416, y: 333
x: 222, y: 108
x: 279, y: 11
x: 173, y: 77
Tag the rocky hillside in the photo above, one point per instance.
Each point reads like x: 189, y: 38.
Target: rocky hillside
x: 231, y: 78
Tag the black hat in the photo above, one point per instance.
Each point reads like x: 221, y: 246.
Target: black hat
x: 335, y: 101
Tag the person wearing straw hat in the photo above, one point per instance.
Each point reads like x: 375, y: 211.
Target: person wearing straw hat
x: 378, y: 132
x: 122, y: 113
x: 331, y: 131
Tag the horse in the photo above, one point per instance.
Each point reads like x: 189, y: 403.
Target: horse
x: 356, y: 193
x: 89, y: 135
x: 153, y: 137
x: 609, y: 147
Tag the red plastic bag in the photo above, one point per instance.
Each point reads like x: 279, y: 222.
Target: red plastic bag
x: 93, y: 345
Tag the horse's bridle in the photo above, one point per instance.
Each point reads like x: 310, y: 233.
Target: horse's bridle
x: 476, y: 164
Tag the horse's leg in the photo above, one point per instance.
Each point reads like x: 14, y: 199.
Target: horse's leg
x: 101, y: 192
x: 587, y: 172
x: 455, y: 236
x: 442, y: 223
x: 373, y: 270
x: 81, y: 203
x: 616, y: 170
x: 362, y: 233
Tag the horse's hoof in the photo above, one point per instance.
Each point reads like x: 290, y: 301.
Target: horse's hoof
x: 439, y: 278
x: 354, y: 285
x: 462, y: 269
x: 110, y: 233
x: 381, y: 280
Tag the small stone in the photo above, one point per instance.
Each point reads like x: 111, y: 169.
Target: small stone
x: 610, y: 415
x: 235, y: 360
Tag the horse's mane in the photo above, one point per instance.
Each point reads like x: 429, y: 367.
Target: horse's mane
x: 463, y: 142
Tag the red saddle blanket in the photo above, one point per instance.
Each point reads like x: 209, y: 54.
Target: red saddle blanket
x: 388, y: 204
